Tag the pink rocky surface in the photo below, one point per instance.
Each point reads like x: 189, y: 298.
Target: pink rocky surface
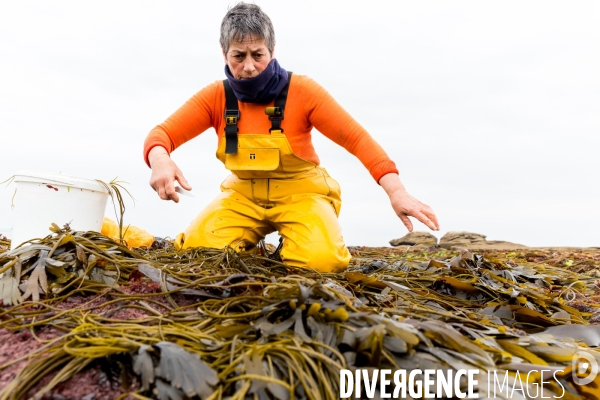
x: 91, y: 383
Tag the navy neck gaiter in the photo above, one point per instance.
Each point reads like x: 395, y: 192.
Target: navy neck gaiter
x: 261, y: 89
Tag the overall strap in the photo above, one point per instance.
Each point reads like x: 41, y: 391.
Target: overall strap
x: 232, y: 115
x: 275, y: 113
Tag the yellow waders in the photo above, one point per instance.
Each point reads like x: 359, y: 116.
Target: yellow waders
x: 271, y: 189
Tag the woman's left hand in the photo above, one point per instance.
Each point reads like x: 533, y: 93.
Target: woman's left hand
x: 406, y: 205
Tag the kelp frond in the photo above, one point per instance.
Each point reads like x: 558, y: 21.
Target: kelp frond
x: 114, y: 188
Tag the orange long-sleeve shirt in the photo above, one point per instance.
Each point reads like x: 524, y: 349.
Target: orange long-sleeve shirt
x: 308, y: 105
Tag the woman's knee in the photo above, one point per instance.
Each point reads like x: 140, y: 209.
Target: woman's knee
x: 228, y: 221
x: 321, y: 256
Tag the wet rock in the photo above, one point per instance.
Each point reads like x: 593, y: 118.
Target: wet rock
x: 474, y: 241
x: 160, y: 243
x: 425, y: 239
x: 461, y: 239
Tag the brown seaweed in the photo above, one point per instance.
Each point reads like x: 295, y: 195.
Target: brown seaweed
x: 248, y: 326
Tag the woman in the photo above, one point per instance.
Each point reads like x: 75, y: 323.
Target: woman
x: 263, y: 117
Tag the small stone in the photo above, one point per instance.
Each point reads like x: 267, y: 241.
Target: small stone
x: 415, y: 238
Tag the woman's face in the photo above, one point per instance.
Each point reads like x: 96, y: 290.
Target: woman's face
x: 248, y: 58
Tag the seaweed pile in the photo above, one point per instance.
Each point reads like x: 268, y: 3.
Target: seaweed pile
x: 215, y: 324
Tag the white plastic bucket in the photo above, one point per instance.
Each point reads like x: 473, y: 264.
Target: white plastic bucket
x: 42, y: 199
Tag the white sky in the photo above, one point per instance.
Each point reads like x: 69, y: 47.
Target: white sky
x: 490, y: 109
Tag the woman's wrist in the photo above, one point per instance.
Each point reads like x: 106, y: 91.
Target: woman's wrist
x: 391, y: 184
x: 155, y: 153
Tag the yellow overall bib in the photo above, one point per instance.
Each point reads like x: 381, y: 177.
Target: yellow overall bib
x: 271, y: 189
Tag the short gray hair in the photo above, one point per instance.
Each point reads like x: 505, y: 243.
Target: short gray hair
x: 243, y: 20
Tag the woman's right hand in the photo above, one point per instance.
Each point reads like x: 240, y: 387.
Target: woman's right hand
x: 164, y: 174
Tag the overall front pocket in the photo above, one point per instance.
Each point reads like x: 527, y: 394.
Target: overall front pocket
x: 253, y: 159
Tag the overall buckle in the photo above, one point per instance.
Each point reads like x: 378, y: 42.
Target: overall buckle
x: 232, y: 117
x: 275, y: 116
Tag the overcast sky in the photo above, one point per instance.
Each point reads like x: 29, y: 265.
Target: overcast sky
x: 491, y: 110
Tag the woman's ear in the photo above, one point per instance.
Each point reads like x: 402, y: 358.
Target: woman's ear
x: 224, y: 55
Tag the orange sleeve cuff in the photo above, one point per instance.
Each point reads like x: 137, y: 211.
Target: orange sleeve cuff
x: 381, y: 168
x: 157, y: 137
